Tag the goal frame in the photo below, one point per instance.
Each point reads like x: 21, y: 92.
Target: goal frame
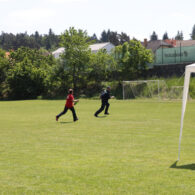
x: 140, y: 81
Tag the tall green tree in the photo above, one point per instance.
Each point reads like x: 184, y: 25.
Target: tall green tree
x: 104, y: 36
x: 123, y: 38
x: 7, y: 41
x: 110, y: 36
x: 101, y: 65
x: 77, y: 55
x: 29, y: 73
x: 179, y: 36
x: 165, y: 36
x: 94, y: 38
x: 35, y: 41
x: 132, y: 59
x: 4, y: 67
x: 114, y: 38
x: 154, y: 36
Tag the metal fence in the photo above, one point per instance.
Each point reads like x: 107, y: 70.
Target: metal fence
x: 174, y: 55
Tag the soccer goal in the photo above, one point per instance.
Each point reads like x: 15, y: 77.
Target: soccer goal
x: 176, y: 92
x: 143, y: 89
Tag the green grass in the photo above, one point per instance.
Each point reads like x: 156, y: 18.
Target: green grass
x: 131, y: 151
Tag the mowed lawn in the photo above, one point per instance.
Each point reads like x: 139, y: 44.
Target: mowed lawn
x: 131, y: 151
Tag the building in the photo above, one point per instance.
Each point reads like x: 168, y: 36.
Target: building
x: 182, y: 52
x: 58, y: 52
x: 172, y: 60
x: 94, y: 48
x: 171, y: 41
x: 185, y: 43
x: 107, y: 46
x: 180, y: 43
x: 156, y: 44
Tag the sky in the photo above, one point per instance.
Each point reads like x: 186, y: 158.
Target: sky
x: 137, y: 18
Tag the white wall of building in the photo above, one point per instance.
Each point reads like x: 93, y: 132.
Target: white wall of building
x: 94, y: 49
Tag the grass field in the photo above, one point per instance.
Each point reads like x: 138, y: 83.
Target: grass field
x: 132, y: 151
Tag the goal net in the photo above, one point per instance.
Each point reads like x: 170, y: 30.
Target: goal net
x: 155, y: 89
x: 176, y: 92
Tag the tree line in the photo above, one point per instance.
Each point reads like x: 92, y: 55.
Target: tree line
x: 51, y: 41
x: 178, y: 36
x: 27, y: 73
x: 165, y: 36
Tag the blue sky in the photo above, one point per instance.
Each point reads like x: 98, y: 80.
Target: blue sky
x: 137, y: 18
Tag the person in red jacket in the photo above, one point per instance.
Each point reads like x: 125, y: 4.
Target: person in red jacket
x: 69, y: 105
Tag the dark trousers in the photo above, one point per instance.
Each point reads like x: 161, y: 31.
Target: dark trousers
x: 65, y: 110
x: 104, y: 104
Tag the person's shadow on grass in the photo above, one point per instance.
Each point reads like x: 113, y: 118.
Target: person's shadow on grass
x: 66, y: 122
x: 188, y: 166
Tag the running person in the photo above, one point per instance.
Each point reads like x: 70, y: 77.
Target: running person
x: 104, y: 97
x: 69, y: 105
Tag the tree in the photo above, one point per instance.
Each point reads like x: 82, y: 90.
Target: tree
x: 132, y: 59
x: 23, y: 39
x: 7, y: 41
x: 165, y: 36
x: 28, y: 76
x: 193, y: 33
x: 94, y: 38
x: 76, y: 56
x: 179, y: 36
x: 154, y: 36
x: 101, y: 64
x: 123, y: 38
x: 35, y: 41
x: 104, y: 37
x: 4, y: 66
x: 113, y: 38
x: 38, y: 39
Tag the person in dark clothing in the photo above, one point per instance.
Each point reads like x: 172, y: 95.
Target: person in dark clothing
x: 70, y: 101
x: 105, y: 96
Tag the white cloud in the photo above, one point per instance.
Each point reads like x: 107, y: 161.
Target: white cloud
x: 31, y: 15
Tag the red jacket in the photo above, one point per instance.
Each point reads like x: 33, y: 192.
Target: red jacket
x: 69, y: 101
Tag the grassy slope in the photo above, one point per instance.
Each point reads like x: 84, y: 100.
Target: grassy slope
x: 128, y: 152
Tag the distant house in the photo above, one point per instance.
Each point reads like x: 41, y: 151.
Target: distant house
x: 156, y: 44
x: 171, y: 41
x: 94, y: 48
x: 185, y: 43
x: 58, y: 52
x: 180, y: 43
x: 107, y: 46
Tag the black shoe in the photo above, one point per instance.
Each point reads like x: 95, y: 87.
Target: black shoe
x: 76, y: 119
x: 106, y: 113
x: 95, y: 115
